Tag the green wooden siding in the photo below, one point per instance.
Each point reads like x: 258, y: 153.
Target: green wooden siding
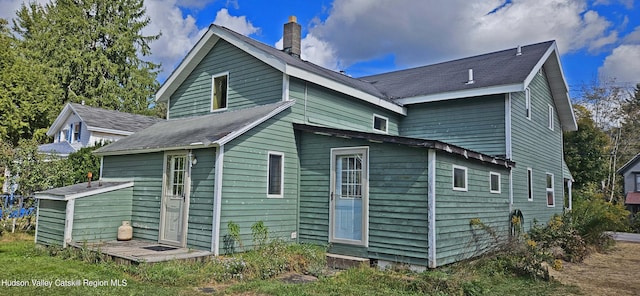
x: 146, y: 172
x: 244, y: 190
x: 201, y: 200
x: 325, y: 107
x: 537, y: 147
x: 456, y: 239
x: 97, y: 217
x: 397, y: 198
x: 51, y: 218
x: 476, y: 123
x: 251, y: 82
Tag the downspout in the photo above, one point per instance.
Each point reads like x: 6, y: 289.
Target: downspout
x: 217, y: 201
x: 431, y: 204
x: 569, y: 184
x: 508, y: 148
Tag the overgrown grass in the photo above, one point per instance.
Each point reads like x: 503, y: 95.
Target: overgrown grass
x: 256, y: 273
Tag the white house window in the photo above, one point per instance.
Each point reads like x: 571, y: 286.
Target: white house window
x: 275, y: 179
x: 76, y: 132
x: 494, y: 182
x: 551, y: 201
x: 380, y: 123
x: 529, y: 184
x: 550, y: 124
x: 219, y: 91
x: 459, y: 178
x: 527, y: 103
x: 637, y: 182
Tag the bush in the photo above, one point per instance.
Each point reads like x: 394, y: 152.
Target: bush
x: 560, y: 239
x: 592, y: 216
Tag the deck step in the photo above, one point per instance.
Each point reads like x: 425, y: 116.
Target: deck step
x: 345, y: 262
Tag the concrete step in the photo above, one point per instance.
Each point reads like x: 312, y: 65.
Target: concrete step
x: 345, y: 262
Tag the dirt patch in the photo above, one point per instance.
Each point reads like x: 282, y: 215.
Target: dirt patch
x: 296, y: 278
x: 612, y: 273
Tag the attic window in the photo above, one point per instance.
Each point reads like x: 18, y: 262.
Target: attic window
x: 380, y: 124
x: 219, y: 91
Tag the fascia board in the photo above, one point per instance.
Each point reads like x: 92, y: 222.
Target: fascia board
x: 193, y: 58
x: 500, y: 89
x: 109, y: 131
x: 62, y: 117
x: 84, y: 194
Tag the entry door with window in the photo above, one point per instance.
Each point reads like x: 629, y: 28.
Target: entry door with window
x: 349, y: 195
x: 175, y: 200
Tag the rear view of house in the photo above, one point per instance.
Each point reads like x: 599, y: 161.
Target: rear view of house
x: 394, y: 167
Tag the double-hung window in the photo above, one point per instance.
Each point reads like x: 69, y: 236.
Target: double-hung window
x: 551, y: 201
x: 494, y: 182
x: 550, y: 118
x: 219, y: 91
x: 529, y: 184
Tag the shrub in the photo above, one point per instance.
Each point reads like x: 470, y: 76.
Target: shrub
x: 560, y: 238
x: 592, y: 216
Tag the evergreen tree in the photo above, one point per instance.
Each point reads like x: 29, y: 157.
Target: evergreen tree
x: 585, y: 150
x: 27, y: 92
x: 94, y: 51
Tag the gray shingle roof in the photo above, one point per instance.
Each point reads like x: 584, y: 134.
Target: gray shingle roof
x: 57, y: 148
x: 198, y: 131
x: 114, y: 120
x: 492, y: 69
x: 308, y: 66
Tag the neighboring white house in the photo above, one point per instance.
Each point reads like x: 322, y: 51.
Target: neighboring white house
x: 79, y: 126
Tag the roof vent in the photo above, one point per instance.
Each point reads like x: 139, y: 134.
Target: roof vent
x: 471, y: 81
x: 519, y: 51
x: 291, y: 37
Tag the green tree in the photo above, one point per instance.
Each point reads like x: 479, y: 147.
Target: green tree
x: 82, y: 162
x: 27, y: 93
x: 34, y: 171
x: 94, y: 49
x: 586, y: 150
x: 629, y: 144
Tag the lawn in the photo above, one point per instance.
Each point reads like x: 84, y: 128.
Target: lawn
x: 252, y: 273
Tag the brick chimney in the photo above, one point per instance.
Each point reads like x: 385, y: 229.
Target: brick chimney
x: 291, y: 37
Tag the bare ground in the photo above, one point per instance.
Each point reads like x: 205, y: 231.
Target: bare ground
x: 616, y: 272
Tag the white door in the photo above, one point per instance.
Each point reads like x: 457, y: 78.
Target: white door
x: 349, y: 193
x: 174, y: 200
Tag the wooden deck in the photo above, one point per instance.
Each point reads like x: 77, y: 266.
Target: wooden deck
x: 138, y: 251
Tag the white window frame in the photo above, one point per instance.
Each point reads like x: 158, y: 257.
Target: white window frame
x: 386, y: 124
x: 281, y: 194
x: 453, y: 178
x: 77, y: 126
x: 527, y: 103
x: 213, y: 90
x: 550, y: 190
x: 491, y: 174
x: 550, y: 118
x: 529, y: 184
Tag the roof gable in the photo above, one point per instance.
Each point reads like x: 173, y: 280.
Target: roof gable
x: 630, y: 164
x: 102, y: 120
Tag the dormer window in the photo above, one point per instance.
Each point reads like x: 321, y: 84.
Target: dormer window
x: 380, y: 124
x: 219, y: 91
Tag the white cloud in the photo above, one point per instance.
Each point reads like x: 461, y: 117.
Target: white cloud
x: 179, y: 34
x: 420, y: 32
x: 8, y: 8
x: 316, y: 51
x: 235, y: 23
x: 623, y: 64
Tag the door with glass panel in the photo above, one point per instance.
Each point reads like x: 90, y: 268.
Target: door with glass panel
x: 174, y: 199
x: 349, y: 195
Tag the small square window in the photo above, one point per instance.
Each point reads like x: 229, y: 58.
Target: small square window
x: 494, y: 182
x: 275, y: 179
x: 219, y: 92
x: 637, y: 182
x: 459, y: 178
x: 380, y: 123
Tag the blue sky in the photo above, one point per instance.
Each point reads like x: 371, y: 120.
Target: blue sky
x: 597, y: 39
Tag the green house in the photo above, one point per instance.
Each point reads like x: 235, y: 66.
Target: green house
x: 395, y: 167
